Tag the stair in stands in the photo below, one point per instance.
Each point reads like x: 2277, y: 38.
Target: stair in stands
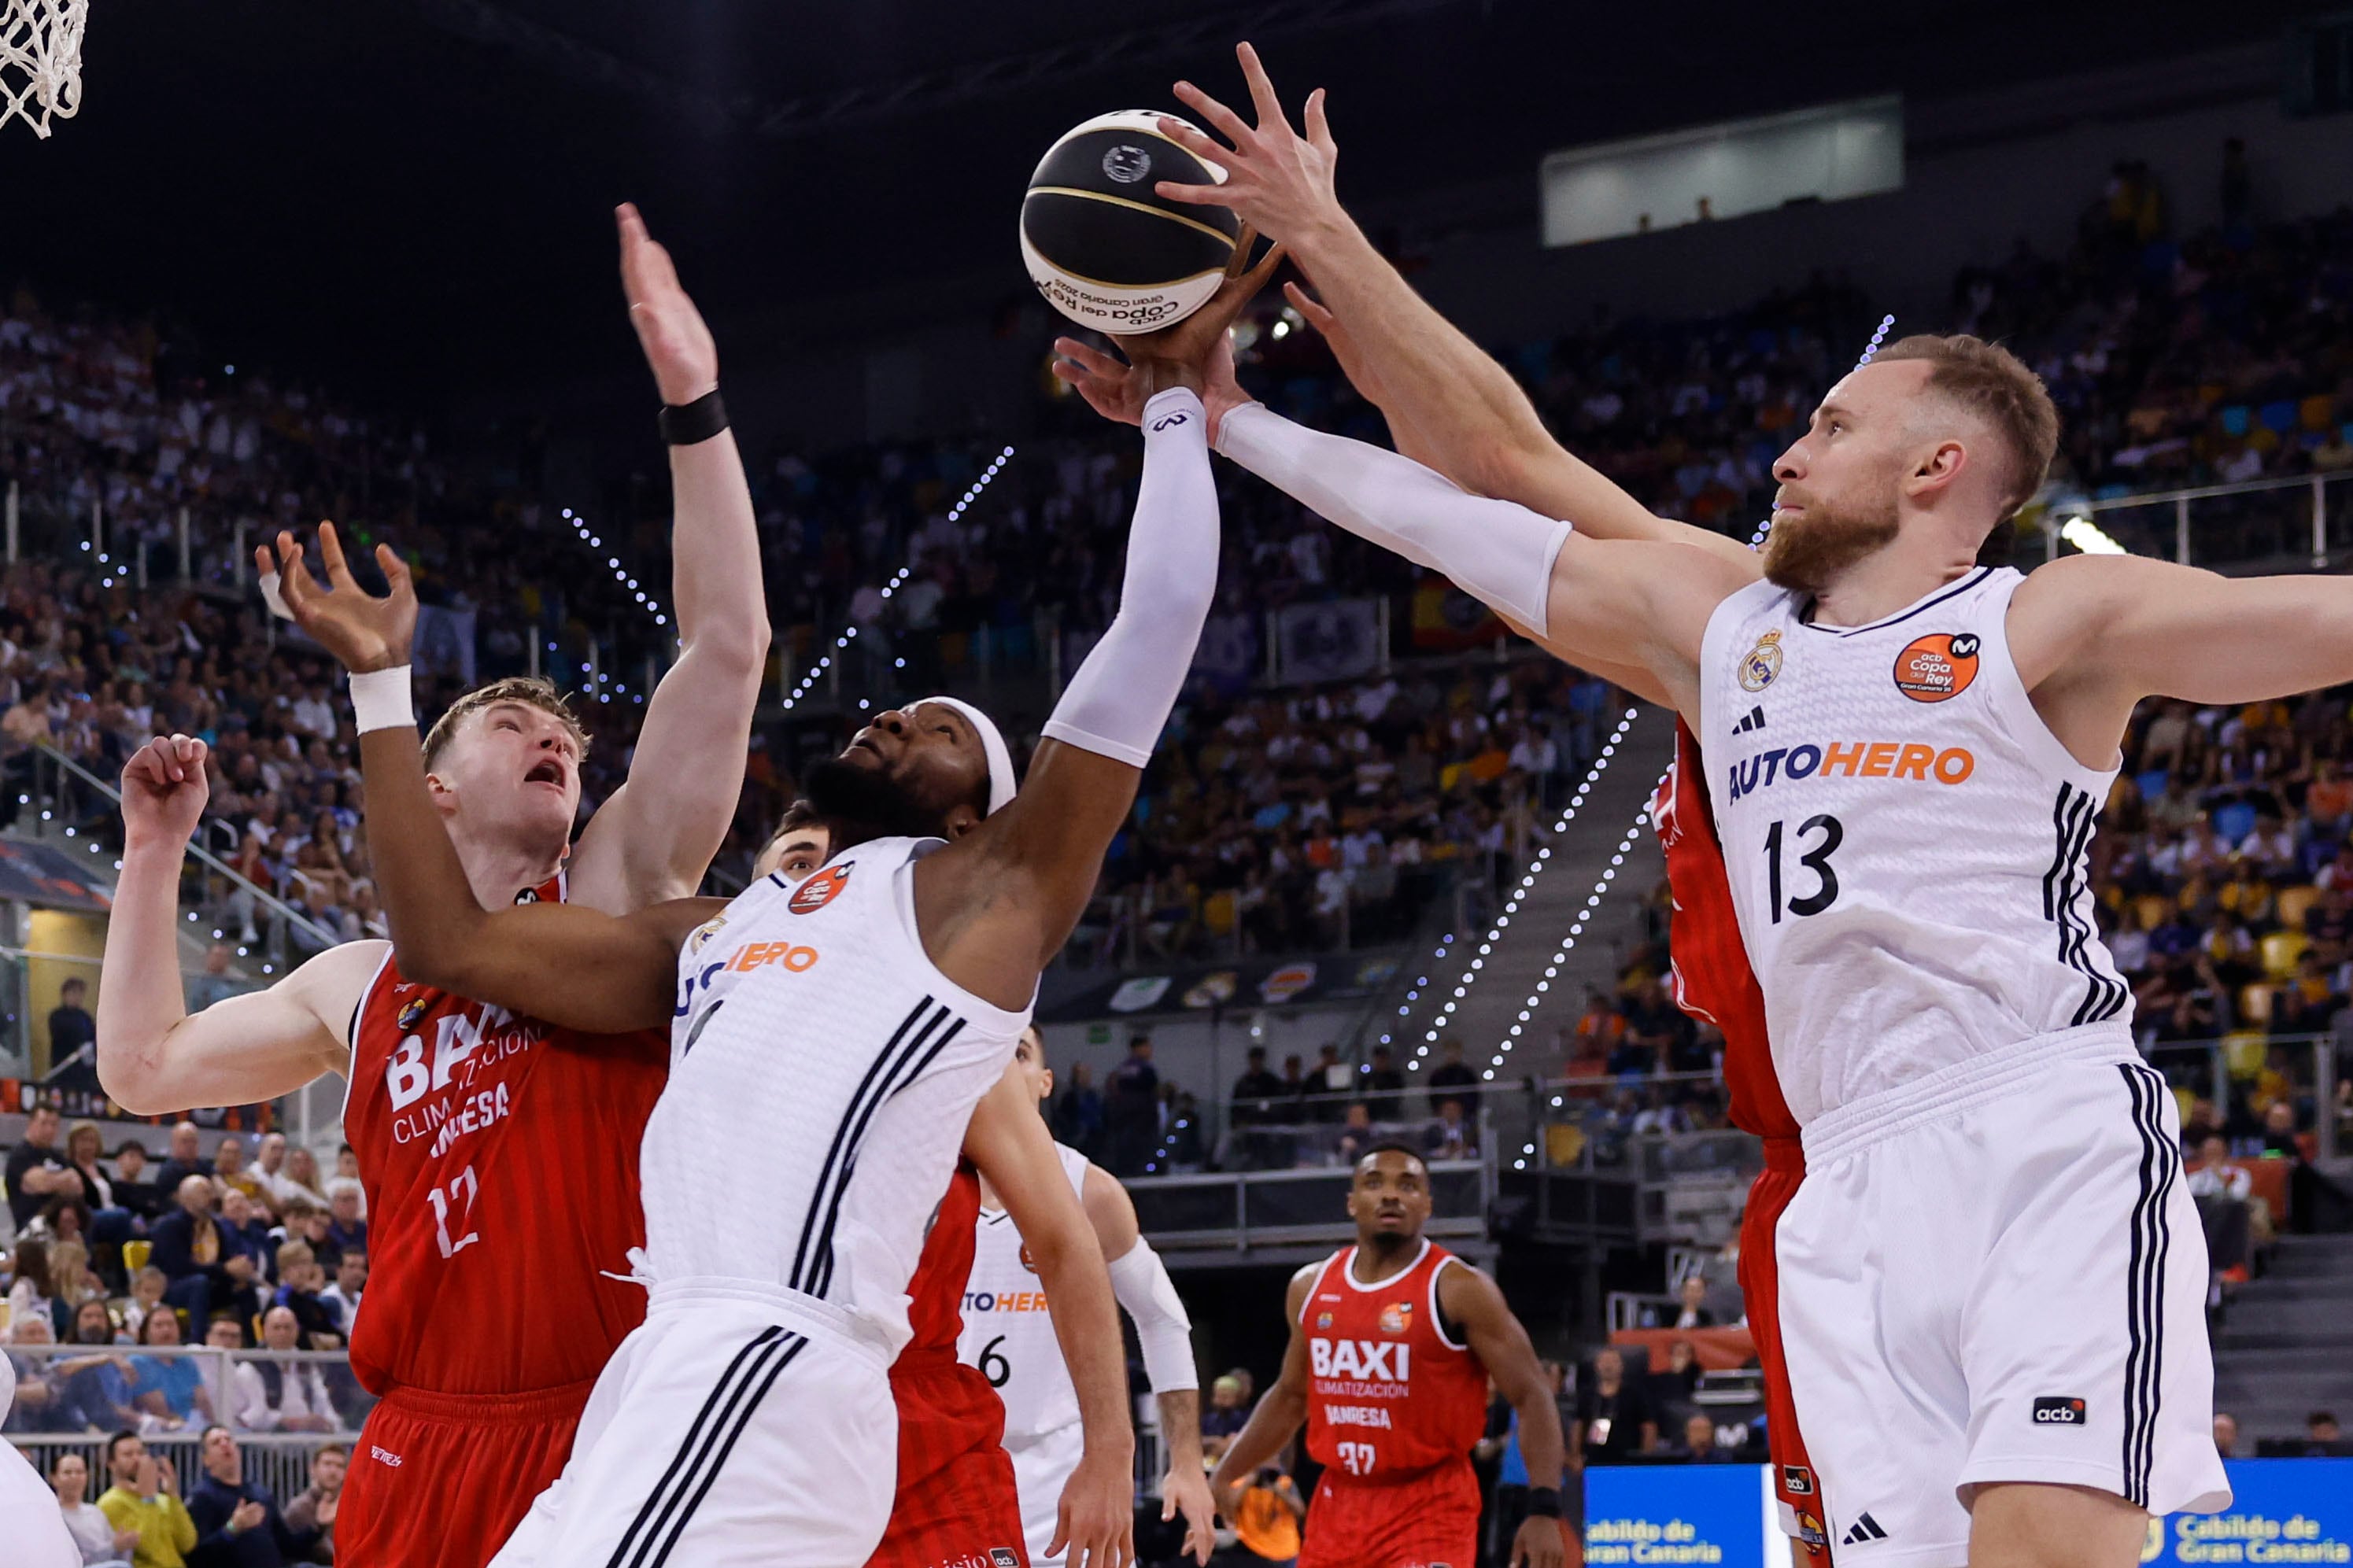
x: 2286, y: 1346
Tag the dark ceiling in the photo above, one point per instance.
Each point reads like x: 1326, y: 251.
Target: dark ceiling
x: 413, y: 194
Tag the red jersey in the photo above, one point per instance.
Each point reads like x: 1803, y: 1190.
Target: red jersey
x: 1392, y: 1389
x: 500, y: 1156
x: 1709, y: 974
x: 935, y: 1294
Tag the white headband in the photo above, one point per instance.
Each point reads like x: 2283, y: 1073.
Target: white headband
x: 1001, y: 787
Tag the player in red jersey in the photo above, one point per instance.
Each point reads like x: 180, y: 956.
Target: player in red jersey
x: 1393, y: 1342
x: 1712, y: 981
x: 499, y: 1154
x: 957, y: 1505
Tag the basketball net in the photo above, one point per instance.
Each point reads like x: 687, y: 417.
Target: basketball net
x: 40, y: 60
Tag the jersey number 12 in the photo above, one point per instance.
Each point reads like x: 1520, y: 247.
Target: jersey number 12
x: 1816, y: 859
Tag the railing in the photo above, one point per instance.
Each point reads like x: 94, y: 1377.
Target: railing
x: 2235, y: 529
x: 2216, y: 1070
x: 75, y: 1393
x: 1245, y: 1210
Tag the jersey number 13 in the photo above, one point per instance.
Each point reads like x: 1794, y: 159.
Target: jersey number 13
x: 1816, y: 858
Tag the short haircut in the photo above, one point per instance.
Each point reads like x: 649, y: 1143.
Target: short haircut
x: 115, y: 1442
x: 337, y: 1186
x: 1995, y: 385
x: 530, y: 690
x: 293, y: 1255
x: 1391, y: 1146
x: 339, y: 1450
x: 131, y: 1143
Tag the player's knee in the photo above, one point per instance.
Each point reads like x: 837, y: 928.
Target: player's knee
x: 2019, y: 1524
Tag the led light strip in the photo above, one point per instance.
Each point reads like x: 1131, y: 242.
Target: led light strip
x: 825, y: 661
x: 1633, y: 834
x: 1470, y: 975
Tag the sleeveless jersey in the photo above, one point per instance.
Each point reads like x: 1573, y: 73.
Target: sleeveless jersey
x: 1390, y: 1391
x: 812, y: 1025
x: 1708, y: 972
x: 1906, y: 840
x: 500, y: 1158
x: 935, y: 1293
x: 1006, y: 1332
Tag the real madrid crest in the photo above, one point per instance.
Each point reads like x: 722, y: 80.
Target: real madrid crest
x: 703, y: 933
x: 1763, y: 663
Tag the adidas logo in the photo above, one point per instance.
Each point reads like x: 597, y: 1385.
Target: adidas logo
x: 1866, y: 1530
x: 1755, y: 720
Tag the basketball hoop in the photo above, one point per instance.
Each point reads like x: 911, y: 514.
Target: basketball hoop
x: 40, y: 60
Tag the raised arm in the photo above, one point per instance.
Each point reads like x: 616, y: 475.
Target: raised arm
x: 567, y: 964
x: 1280, y: 1411
x: 2093, y: 634
x: 154, y: 1058
x: 1008, y: 1142
x: 1500, y: 1344
x: 1164, y: 1332
x: 654, y: 838
x: 1460, y: 410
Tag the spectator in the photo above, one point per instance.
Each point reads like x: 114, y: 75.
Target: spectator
x: 301, y: 1284
x: 1450, y: 1137
x: 251, y: 1232
x: 1226, y: 1414
x: 1699, y: 1443
x: 2215, y: 1176
x: 1132, y: 1109
x: 37, y: 1170
x: 346, y: 1230
x: 132, y: 1190
x: 1267, y: 1519
x: 343, y: 1298
x: 1385, y: 1086
x: 73, y: 1036
x: 280, y: 1186
x: 40, y: 1404
x: 1600, y: 1030
x: 1451, y: 1077
x: 2322, y: 1437
x: 294, y: 1391
x: 1614, y: 1419
x: 1356, y: 1134
x: 248, y: 1400
x: 214, y: 982
x: 207, y: 1266
x: 147, y: 1288
x: 1079, y: 1113
x: 1330, y: 1083
x: 237, y: 1522
x: 100, y: 1544
x: 144, y: 1501
x: 169, y: 1388
x: 29, y: 1295
x: 1692, y: 1314
x: 229, y: 1170
x: 1292, y: 1108
x: 2226, y: 1433
x: 1256, y: 1092
x: 98, y: 1385
x: 186, y: 1158
x: 313, y: 1509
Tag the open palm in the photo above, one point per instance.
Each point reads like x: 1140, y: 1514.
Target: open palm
x: 362, y: 631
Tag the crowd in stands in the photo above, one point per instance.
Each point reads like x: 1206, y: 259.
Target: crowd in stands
x: 129, y: 1258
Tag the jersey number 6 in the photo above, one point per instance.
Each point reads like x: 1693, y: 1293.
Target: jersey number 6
x: 1817, y: 860
x: 993, y: 1366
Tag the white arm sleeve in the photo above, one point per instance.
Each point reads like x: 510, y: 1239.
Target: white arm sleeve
x: 1498, y: 552
x: 1140, y: 1282
x: 1117, y: 703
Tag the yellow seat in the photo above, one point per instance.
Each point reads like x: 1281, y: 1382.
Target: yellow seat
x: 1217, y: 913
x: 2294, y: 903
x: 2154, y: 908
x: 135, y: 1254
x: 2242, y: 1052
x: 1563, y: 1144
x: 2280, y: 949
x: 2255, y: 1002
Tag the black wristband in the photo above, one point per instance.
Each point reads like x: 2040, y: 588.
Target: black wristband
x: 1543, y: 1502
x: 688, y: 422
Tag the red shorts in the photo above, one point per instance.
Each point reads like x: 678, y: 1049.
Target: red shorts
x: 956, y: 1505
x: 1794, y: 1487
x: 1429, y: 1519
x: 440, y: 1480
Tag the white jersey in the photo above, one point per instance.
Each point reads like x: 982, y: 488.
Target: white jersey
x: 1906, y: 840
x: 812, y: 1027
x: 1006, y: 1332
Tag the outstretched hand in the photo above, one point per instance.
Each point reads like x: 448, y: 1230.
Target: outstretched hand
x: 1277, y: 180
x: 677, y: 346
x: 1197, y: 352
x: 360, y: 630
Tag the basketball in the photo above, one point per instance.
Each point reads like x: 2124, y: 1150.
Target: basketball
x: 1102, y: 247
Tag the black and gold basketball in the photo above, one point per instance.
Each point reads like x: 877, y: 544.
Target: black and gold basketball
x: 1103, y: 248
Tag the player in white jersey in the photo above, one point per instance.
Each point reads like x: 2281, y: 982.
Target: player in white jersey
x: 1008, y: 1336
x: 848, y: 1025
x: 1991, y: 1277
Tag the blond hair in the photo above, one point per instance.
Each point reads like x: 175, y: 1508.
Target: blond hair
x: 1995, y: 385
x: 530, y: 690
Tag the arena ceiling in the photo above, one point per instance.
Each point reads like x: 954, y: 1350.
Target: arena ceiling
x: 415, y: 191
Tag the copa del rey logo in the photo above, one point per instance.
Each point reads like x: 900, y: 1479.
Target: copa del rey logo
x: 818, y: 890
x: 1397, y: 1317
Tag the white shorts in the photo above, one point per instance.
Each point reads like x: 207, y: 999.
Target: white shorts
x: 733, y: 1428
x: 1041, y: 1469
x: 1996, y: 1274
